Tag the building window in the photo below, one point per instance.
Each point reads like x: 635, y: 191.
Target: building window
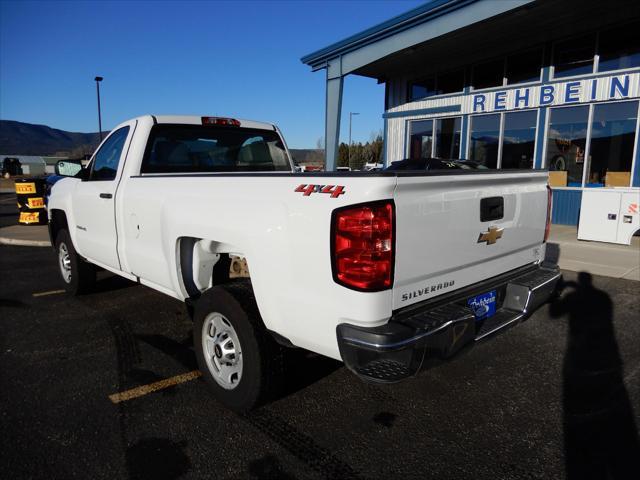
x: 450, y: 82
x: 619, y: 48
x: 442, y: 84
x: 435, y: 138
x: 524, y: 67
x: 574, y: 57
x: 519, y: 139
x: 488, y: 74
x: 421, y: 145
x: 566, y: 141
x: 484, y: 139
x: 611, y: 150
x: 422, y: 89
x: 448, y: 137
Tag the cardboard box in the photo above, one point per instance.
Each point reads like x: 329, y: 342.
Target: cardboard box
x: 617, y: 179
x: 558, y: 179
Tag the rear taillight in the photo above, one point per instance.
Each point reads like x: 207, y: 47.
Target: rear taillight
x: 547, y: 227
x: 362, y: 251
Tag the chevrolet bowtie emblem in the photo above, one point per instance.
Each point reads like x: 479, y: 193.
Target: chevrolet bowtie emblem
x: 491, y: 236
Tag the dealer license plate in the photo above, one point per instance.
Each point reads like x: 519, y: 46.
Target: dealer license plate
x: 483, y: 306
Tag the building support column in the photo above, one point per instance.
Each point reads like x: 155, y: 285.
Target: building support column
x: 332, y: 121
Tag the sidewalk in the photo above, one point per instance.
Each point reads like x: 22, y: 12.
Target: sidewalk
x: 26, y: 235
x: 597, y: 258
x: 563, y: 248
x: 7, y: 185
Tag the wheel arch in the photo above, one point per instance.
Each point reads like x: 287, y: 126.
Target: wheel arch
x: 57, y: 222
x: 633, y: 234
x: 203, y: 263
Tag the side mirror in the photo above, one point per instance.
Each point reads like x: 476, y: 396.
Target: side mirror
x: 68, y: 168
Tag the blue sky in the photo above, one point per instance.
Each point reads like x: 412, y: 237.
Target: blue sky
x: 238, y: 58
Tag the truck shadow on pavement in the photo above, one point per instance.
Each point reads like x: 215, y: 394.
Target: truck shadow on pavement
x: 110, y: 282
x: 600, y: 434
x: 303, y: 369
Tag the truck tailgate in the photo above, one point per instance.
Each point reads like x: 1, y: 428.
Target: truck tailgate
x: 442, y: 244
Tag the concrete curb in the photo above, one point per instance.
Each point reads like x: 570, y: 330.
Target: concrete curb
x: 27, y: 236
x: 24, y: 243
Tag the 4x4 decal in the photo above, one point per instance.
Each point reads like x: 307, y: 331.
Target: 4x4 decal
x: 334, y: 190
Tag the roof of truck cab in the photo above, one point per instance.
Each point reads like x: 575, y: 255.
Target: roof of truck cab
x: 197, y: 120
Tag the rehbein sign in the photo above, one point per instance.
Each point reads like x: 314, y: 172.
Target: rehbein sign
x: 561, y: 93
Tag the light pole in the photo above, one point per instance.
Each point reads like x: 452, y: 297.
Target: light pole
x: 351, y: 114
x: 98, y: 80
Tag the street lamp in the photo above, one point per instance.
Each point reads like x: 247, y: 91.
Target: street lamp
x: 351, y: 114
x: 98, y: 80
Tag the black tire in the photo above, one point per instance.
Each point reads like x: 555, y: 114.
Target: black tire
x: 262, y: 358
x: 82, y: 276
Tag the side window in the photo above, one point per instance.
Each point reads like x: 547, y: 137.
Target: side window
x: 105, y: 162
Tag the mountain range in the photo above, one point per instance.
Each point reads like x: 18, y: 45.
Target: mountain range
x: 18, y: 138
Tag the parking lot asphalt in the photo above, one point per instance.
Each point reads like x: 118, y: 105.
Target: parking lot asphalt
x: 8, y: 209
x: 555, y: 397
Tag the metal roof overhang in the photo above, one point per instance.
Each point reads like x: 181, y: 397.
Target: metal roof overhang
x: 446, y: 34
x: 536, y: 24
x: 429, y: 21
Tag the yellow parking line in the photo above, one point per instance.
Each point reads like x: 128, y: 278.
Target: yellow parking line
x: 50, y: 292
x: 153, y: 387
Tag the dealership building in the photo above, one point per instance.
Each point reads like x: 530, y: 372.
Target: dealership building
x: 507, y: 84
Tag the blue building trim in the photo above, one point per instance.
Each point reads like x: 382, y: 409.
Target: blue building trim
x: 542, y: 123
x: 423, y: 111
x: 566, y: 206
x: 546, y: 74
x: 464, y: 129
x: 540, y: 146
x: 421, y: 14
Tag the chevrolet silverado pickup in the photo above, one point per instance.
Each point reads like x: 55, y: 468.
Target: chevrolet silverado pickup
x: 381, y: 270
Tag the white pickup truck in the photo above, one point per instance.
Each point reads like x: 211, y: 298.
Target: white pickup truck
x: 382, y: 270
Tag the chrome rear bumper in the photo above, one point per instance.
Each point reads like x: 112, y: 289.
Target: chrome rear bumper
x: 397, y: 350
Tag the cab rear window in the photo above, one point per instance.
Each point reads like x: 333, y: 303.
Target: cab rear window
x: 205, y: 148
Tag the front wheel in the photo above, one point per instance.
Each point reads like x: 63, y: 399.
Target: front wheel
x: 238, y: 358
x: 78, y: 276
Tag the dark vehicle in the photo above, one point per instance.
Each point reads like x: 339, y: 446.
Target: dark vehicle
x: 435, y: 164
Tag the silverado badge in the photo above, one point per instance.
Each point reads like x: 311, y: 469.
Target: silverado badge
x: 491, y: 236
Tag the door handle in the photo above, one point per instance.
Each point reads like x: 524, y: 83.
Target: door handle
x: 106, y: 195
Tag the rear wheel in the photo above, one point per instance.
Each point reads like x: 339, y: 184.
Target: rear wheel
x: 78, y: 276
x: 238, y: 358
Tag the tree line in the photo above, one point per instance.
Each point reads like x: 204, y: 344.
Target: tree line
x: 359, y: 154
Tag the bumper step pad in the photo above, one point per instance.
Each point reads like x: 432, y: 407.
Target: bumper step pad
x: 384, y: 370
x: 502, y: 319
